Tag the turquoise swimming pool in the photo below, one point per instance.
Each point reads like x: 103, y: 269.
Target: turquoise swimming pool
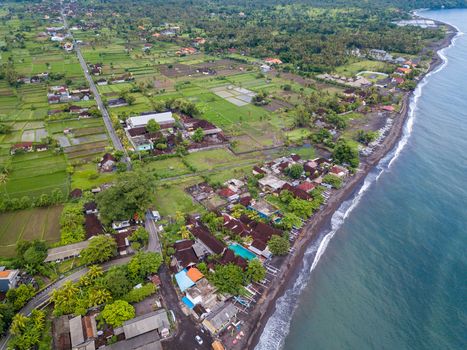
x: 242, y: 251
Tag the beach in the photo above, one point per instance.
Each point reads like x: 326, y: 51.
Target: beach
x: 259, y: 316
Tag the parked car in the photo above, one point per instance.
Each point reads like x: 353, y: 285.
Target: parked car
x: 199, y: 340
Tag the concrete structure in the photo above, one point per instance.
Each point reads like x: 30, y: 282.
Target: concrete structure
x: 163, y: 119
x: 219, y: 319
x: 8, y: 279
x: 66, y: 251
x: 156, y: 320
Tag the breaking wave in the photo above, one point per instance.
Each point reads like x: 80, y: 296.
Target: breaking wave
x: 278, y: 325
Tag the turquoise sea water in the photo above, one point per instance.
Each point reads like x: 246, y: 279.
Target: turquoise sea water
x: 392, y: 271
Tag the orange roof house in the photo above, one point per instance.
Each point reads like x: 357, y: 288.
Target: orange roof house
x: 272, y: 60
x: 403, y: 70
x: 194, y: 274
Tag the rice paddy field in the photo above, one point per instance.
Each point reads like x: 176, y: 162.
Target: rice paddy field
x: 37, y: 223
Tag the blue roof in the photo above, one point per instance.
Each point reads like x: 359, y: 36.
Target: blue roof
x: 183, y: 281
x: 188, y: 303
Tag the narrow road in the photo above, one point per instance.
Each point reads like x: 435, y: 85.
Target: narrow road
x: 105, y: 114
x: 187, y: 329
x: 154, y: 244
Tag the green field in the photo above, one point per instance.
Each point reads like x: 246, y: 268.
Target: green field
x: 35, y: 173
x: 37, y: 223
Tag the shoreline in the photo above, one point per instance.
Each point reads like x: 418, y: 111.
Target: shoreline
x: 292, y: 265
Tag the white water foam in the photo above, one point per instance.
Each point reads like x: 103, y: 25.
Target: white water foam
x: 278, y: 325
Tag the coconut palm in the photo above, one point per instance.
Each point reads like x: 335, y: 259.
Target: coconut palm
x: 18, y: 324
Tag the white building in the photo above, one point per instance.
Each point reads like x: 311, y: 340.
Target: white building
x: 163, y: 119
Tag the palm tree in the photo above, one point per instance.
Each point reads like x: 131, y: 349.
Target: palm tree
x: 18, y: 324
x: 99, y: 296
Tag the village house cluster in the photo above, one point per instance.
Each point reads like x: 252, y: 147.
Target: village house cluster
x: 62, y: 94
x: 173, y: 130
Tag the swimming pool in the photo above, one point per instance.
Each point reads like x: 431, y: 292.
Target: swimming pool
x: 242, y: 251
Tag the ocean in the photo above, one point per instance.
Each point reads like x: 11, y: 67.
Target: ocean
x: 391, y: 273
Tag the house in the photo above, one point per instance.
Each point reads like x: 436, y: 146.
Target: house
x: 82, y: 334
x: 147, y: 47
x: 272, y: 61
x: 116, y: 102
x: 199, y: 41
x: 152, y: 321
x: 296, y: 192
x: 66, y: 252
x: 228, y: 194
x: 207, y: 240
x: 265, y: 68
x: 339, y: 171
x: 388, y: 108
x: 141, y: 143
x: 92, y: 225
x: 102, y: 82
x: 263, y: 208
x: 185, y: 255
x: 8, y: 279
x: 403, y: 71
x: 90, y: 208
x: 68, y: 47
x: 380, y: 55
x: 165, y: 120
x: 76, y: 193
x: 398, y: 80
x: 107, y: 163
x: 121, y: 238
x: 183, y: 281
x: 271, y: 183
x: 306, y: 186
x: 22, y: 146
x: 258, y: 171
x: 53, y: 99
x: 120, y: 225
x: 219, y: 319
x: 202, y: 293
x: 260, y: 247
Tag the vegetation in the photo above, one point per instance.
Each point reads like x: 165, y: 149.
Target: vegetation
x: 333, y: 180
x: 228, y: 279
x: 255, y: 271
x: 118, y: 312
x: 101, y: 248
x: 27, y: 331
x: 19, y: 296
x: 31, y: 254
x: 279, y: 245
x: 72, y: 223
x: 130, y: 194
x: 344, y: 153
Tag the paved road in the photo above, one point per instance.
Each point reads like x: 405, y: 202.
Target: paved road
x: 44, y: 296
x: 105, y: 114
x: 187, y: 329
x: 154, y: 245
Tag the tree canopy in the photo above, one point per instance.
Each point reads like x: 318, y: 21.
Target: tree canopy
x: 118, y: 312
x: 279, y: 245
x: 130, y: 194
x: 101, y: 248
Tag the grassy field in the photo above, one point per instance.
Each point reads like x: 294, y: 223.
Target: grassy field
x: 37, y: 223
x: 351, y: 69
x: 86, y: 177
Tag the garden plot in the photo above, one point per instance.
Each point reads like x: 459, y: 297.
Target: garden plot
x: 236, y: 95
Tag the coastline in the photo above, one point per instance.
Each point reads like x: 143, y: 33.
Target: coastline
x: 292, y: 264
